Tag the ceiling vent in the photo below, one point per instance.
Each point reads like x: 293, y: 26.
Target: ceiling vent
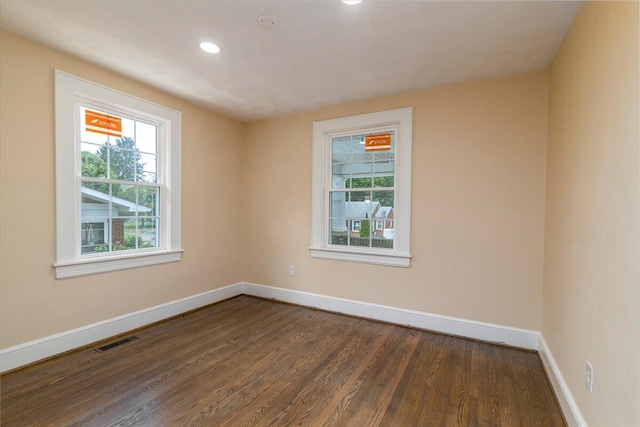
x: 267, y: 21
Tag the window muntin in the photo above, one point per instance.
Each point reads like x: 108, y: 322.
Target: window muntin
x: 361, y: 186
x: 348, y: 181
x: 119, y: 183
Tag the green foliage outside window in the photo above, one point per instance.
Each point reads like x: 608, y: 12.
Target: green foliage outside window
x: 122, y: 156
x: 365, y: 227
x: 124, y: 159
x: 129, y: 243
x: 384, y: 197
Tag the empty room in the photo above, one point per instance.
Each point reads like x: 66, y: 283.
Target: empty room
x: 319, y: 213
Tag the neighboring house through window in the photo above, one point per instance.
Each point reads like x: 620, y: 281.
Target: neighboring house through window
x: 117, y: 180
x: 362, y: 178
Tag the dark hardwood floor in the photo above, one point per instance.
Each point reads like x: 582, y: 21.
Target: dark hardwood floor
x: 248, y: 361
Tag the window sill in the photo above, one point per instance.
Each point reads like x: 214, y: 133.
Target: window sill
x: 86, y: 267
x: 392, y: 259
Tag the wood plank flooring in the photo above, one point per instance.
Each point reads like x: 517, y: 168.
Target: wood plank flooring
x: 251, y: 362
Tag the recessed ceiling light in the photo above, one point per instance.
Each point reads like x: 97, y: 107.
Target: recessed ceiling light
x: 351, y: 2
x: 210, y: 47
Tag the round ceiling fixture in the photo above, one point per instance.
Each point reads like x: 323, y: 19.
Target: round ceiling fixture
x: 351, y: 2
x: 267, y: 21
x: 210, y: 47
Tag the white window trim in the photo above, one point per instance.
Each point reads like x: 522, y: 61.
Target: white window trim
x: 400, y: 256
x: 69, y: 263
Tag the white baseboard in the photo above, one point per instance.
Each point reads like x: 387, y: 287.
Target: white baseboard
x: 32, y: 351
x: 565, y: 398
x: 522, y: 338
x: 24, y: 354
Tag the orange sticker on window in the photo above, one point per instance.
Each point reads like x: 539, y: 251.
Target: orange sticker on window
x: 103, y: 123
x: 379, y: 142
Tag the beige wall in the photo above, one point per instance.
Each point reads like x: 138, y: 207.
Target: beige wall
x: 33, y: 304
x: 478, y: 211
x: 477, y: 204
x: 591, y: 290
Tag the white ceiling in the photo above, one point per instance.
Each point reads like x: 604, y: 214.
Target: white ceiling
x: 322, y: 52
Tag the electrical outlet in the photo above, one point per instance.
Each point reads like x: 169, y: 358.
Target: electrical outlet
x: 292, y: 270
x: 589, y: 382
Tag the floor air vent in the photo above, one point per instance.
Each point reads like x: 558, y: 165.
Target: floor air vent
x: 116, y: 344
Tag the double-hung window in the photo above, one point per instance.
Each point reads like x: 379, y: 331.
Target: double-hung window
x: 117, y: 180
x: 362, y: 176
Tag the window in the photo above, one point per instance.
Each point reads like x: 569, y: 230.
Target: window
x: 117, y: 180
x: 362, y: 173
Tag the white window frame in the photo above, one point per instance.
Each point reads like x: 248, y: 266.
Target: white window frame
x: 323, y: 131
x: 379, y: 225
x: 70, y: 92
x: 355, y: 222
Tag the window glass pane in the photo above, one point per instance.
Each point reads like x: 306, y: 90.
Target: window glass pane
x: 148, y: 200
x: 361, y: 175
x: 383, y: 181
x: 146, y: 169
x: 360, y: 232
x: 340, y: 175
x: 95, y: 200
x: 360, y: 210
x: 384, y: 242
x: 384, y: 198
x: 383, y: 174
x: 146, y: 140
x: 360, y: 182
x: 338, y: 204
x: 92, y: 137
x: 148, y: 233
x: 341, y: 150
x: 123, y: 236
x: 338, y: 232
x: 123, y: 200
x: 383, y: 235
x: 128, y: 130
x: 123, y: 160
x: 359, y: 196
x: 88, y: 136
x: 115, y: 206
x: 383, y: 155
x: 93, y: 236
x: 94, y: 160
x: 361, y: 215
x: 358, y: 153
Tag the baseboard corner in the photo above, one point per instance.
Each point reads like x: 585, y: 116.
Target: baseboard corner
x: 568, y: 405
